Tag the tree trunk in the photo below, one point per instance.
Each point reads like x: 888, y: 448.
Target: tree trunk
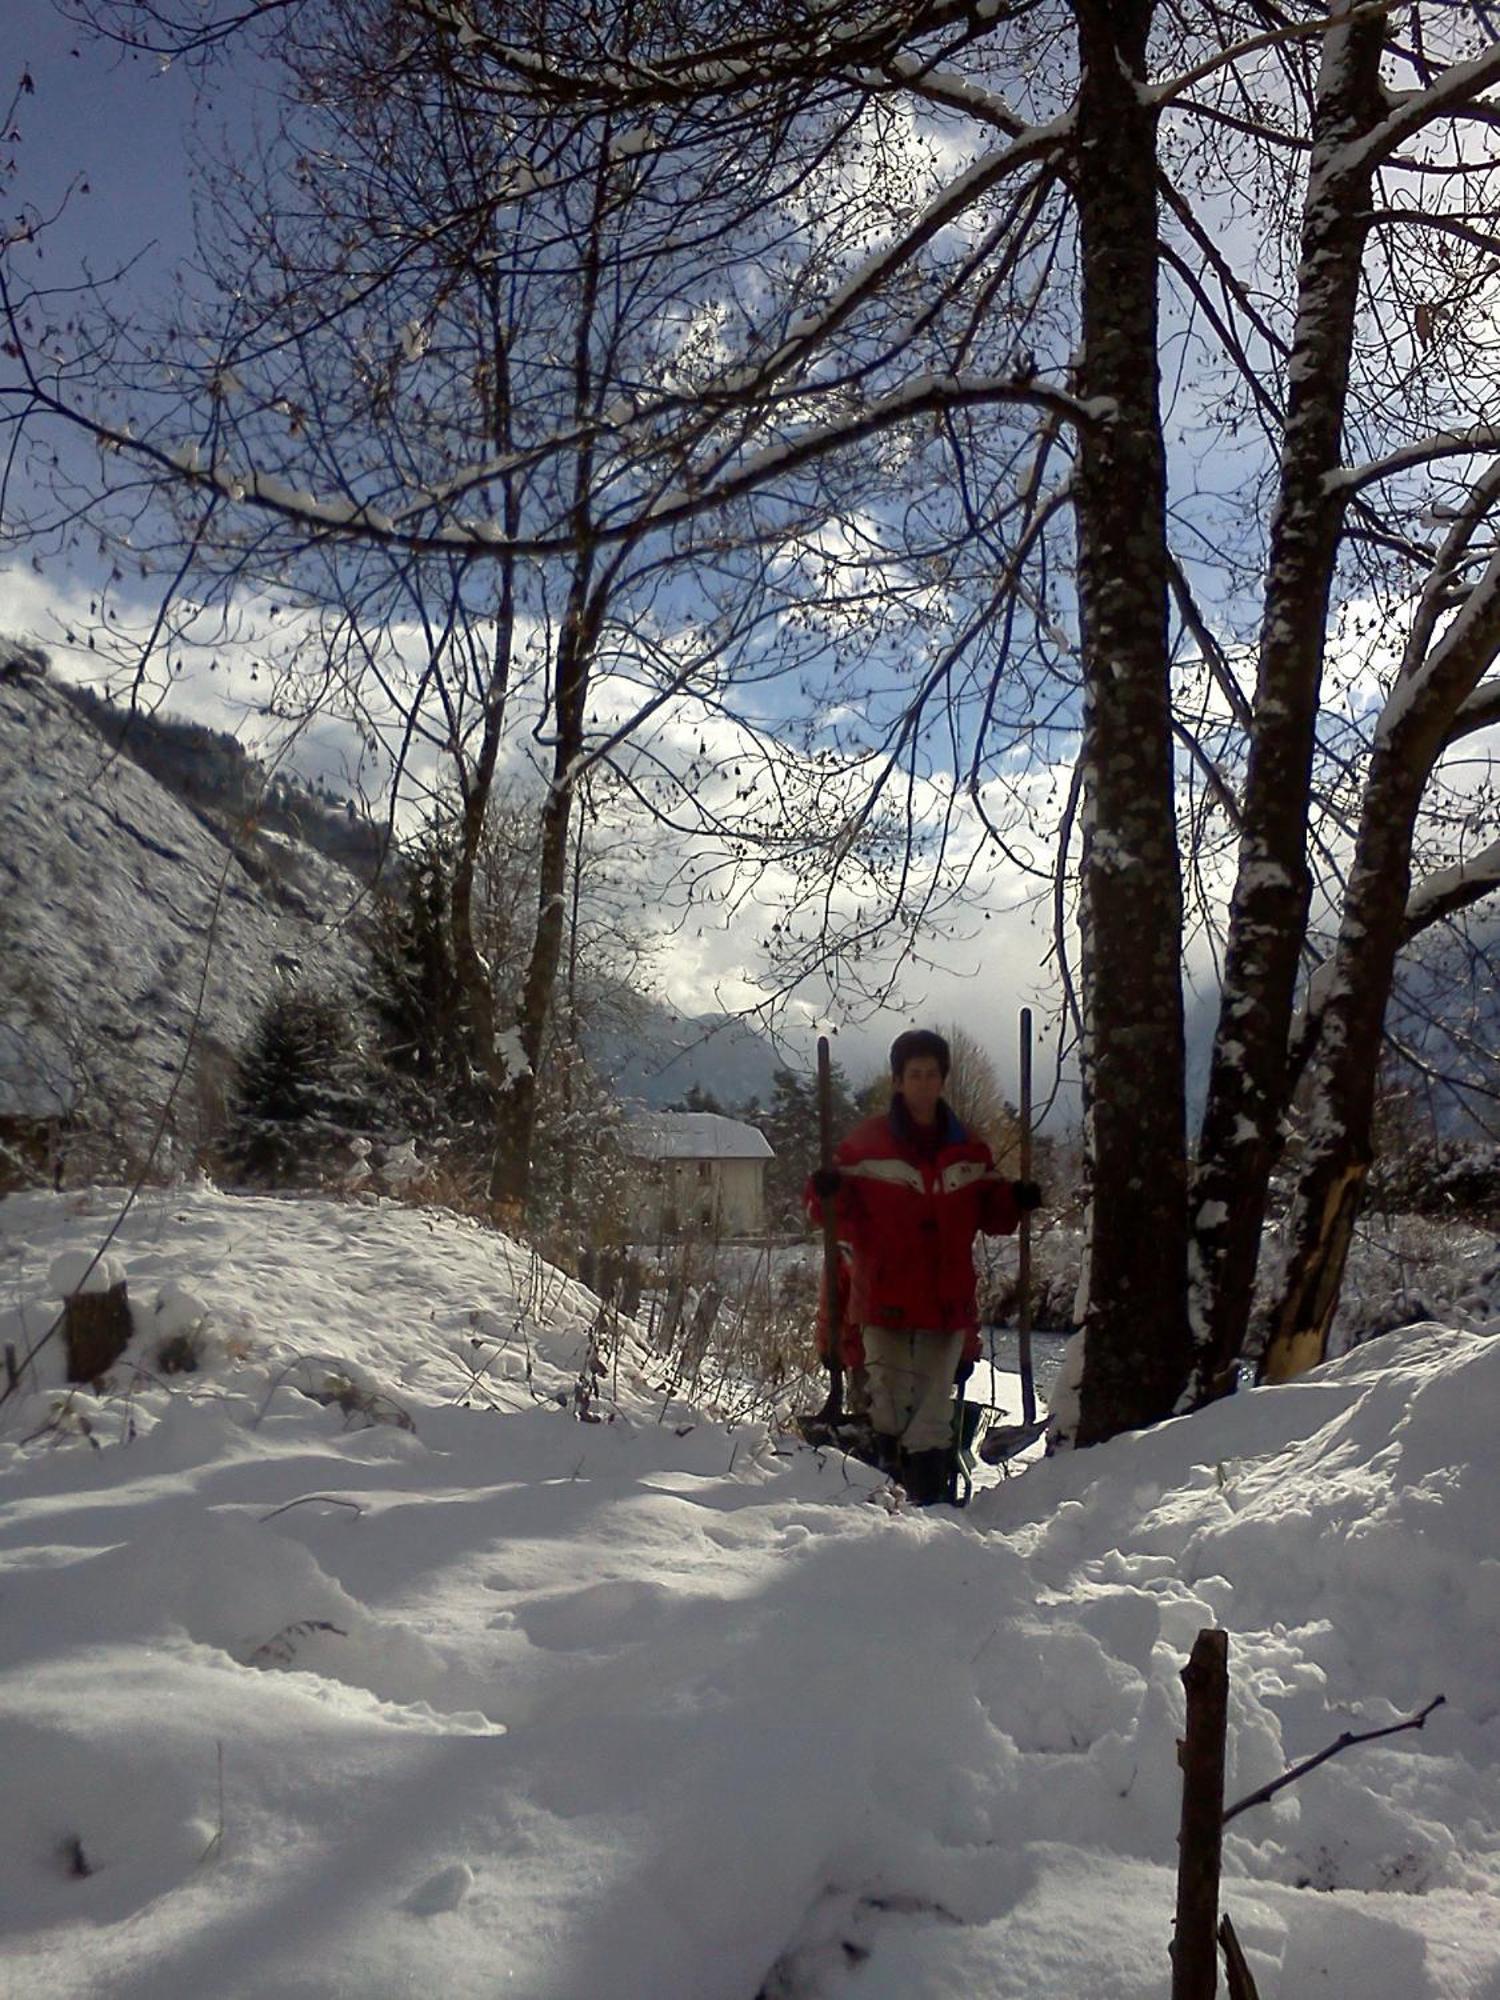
x: 96, y: 1330
x: 1249, y: 1078
x: 511, y: 1173
x: 1331, y: 1184
x: 510, y: 1179
x: 1136, y: 1344
x: 478, y: 784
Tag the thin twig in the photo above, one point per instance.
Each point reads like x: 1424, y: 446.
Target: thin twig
x: 216, y: 1843
x: 332, y: 1499
x: 1350, y: 1736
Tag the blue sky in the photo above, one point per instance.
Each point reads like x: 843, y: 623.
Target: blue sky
x: 94, y: 116
x: 103, y: 137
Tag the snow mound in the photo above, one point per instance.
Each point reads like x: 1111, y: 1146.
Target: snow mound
x: 560, y: 1687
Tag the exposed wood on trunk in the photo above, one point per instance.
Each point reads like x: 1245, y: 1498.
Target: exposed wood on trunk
x: 1311, y: 1295
x: 1237, y: 1974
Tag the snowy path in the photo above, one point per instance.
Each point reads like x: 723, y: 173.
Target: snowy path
x: 649, y: 1708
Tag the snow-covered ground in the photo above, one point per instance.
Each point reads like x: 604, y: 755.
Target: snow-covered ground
x: 484, y: 1699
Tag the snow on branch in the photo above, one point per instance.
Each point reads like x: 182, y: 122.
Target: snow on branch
x: 1233, y: 56
x: 1479, y: 711
x: 922, y: 396
x: 269, y: 493
x: 948, y: 87
x: 808, y: 333
x: 1421, y: 451
x: 1451, y: 669
x: 1457, y: 89
x: 1446, y: 890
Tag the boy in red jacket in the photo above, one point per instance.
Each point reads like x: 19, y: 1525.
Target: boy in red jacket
x: 912, y: 1190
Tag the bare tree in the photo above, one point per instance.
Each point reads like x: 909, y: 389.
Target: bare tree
x: 942, y: 258
x: 973, y: 1090
x: 406, y: 401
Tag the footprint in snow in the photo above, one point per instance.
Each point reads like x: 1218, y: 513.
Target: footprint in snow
x: 600, y: 1614
x: 443, y: 1891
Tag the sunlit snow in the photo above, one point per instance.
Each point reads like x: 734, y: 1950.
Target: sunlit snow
x: 297, y: 1703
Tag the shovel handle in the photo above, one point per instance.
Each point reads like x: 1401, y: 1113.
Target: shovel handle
x: 835, y: 1405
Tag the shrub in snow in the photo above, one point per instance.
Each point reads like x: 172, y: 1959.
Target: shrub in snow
x: 178, y: 1334
x: 334, y: 1383
x: 1056, y: 1263
x: 1451, y: 1178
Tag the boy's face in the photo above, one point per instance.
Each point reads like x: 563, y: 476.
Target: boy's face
x: 921, y: 1084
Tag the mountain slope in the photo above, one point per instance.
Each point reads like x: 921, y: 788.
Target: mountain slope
x: 128, y: 926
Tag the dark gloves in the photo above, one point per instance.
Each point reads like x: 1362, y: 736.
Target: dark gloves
x: 826, y: 1181
x: 1026, y: 1195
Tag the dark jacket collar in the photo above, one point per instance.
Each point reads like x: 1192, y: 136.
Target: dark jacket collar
x: 909, y: 1133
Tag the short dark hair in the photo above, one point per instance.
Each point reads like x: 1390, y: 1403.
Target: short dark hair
x: 920, y: 1042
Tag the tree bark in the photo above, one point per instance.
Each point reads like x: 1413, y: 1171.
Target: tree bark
x: 1249, y: 1078
x: 511, y: 1173
x: 1135, y: 1325
x: 1330, y: 1186
x: 96, y: 1330
x: 510, y: 1181
x: 477, y: 783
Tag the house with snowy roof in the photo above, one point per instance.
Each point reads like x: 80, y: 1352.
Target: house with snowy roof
x: 698, y: 1172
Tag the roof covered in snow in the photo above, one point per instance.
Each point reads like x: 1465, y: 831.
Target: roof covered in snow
x: 694, y: 1135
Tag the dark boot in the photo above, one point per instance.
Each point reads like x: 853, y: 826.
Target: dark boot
x: 925, y: 1475
x: 883, y: 1452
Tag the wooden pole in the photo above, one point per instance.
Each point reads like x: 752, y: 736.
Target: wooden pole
x: 1023, y: 1264
x: 1195, y: 1944
x: 833, y: 1409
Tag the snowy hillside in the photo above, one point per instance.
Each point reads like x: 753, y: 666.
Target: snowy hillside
x: 484, y: 1699
x: 119, y: 902
x: 119, y: 908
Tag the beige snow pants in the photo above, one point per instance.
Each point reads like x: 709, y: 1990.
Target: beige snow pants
x: 911, y: 1385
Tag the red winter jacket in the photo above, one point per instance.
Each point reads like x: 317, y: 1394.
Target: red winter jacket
x: 909, y: 1215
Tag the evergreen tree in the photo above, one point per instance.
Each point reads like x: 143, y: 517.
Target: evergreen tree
x: 791, y: 1126
x: 301, y: 1094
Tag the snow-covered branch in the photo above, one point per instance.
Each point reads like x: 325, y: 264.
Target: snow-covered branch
x: 270, y: 493
x: 1447, y: 890
x: 1480, y: 710
x: 1458, y: 89
x: 606, y: 77
x: 1421, y: 451
x: 948, y: 87
x: 1231, y: 57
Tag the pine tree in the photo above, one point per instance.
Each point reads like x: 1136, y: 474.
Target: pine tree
x: 791, y: 1126
x: 301, y: 1094
x: 426, y: 1035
